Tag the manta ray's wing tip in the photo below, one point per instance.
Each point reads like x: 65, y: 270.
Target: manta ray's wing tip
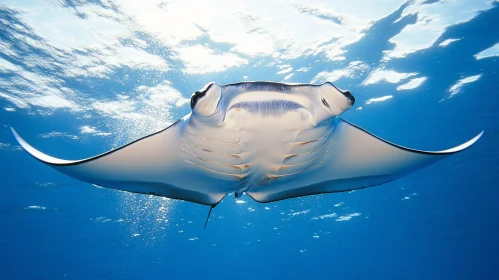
x: 18, y: 138
x: 37, y: 154
x: 476, y: 138
x: 466, y: 144
x: 14, y: 133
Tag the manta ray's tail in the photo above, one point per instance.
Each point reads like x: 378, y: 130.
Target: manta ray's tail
x: 209, y: 213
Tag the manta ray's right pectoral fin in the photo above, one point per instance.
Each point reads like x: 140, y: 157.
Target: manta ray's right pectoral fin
x: 153, y: 165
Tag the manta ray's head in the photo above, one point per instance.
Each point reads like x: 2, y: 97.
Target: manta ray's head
x: 214, y: 103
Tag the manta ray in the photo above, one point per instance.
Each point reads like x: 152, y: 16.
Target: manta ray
x: 270, y: 141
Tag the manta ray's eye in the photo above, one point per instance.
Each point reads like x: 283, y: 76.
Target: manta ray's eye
x: 336, y: 100
x: 204, y: 102
x: 195, y: 98
x: 348, y: 95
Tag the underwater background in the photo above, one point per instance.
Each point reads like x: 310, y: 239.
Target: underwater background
x: 78, y: 78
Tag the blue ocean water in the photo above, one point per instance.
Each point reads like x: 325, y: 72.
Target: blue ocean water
x: 78, y: 78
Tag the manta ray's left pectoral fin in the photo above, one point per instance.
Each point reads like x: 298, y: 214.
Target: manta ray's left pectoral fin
x: 355, y: 159
x: 359, y: 153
